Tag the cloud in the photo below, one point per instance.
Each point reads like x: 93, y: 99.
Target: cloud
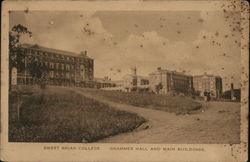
x: 213, y: 49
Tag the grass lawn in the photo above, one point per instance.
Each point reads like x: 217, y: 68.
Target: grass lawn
x: 175, y: 104
x: 63, y: 116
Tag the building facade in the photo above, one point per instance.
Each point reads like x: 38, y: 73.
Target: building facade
x: 134, y: 82
x: 166, y: 82
x: 60, y: 68
x: 108, y: 84
x: 208, y: 83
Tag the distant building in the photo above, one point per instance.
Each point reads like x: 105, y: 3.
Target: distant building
x: 209, y: 83
x: 134, y: 82
x: 165, y: 82
x: 103, y: 82
x: 107, y: 84
x: 62, y: 68
x: 236, y: 94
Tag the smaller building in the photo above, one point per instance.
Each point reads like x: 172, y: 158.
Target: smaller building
x: 134, y: 82
x: 103, y: 82
x: 107, y: 84
x: 208, y: 83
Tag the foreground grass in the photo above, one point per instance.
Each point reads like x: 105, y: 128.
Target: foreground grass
x: 64, y: 116
x: 173, y: 104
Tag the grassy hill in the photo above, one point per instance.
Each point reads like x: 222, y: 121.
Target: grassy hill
x: 60, y: 115
x: 173, y: 104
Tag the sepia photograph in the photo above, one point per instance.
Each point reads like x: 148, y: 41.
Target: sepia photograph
x: 122, y: 76
x: 100, y: 76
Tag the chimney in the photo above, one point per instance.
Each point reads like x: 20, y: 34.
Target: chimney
x: 232, y: 91
x: 133, y: 70
x: 84, y: 53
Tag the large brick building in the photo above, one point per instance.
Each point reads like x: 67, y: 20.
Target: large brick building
x: 165, y: 82
x: 62, y: 68
x: 208, y: 83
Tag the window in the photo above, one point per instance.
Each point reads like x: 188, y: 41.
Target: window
x: 51, y: 65
x: 51, y: 74
x: 144, y: 82
x: 29, y: 51
x: 57, y: 65
x: 67, y: 75
x: 62, y: 66
x: 67, y: 67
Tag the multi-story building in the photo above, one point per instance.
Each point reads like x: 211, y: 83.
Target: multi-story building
x: 164, y: 81
x: 60, y: 68
x: 208, y: 83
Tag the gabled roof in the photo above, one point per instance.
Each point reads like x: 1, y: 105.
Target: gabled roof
x: 51, y: 50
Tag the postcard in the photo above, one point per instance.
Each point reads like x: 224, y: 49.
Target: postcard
x: 127, y: 81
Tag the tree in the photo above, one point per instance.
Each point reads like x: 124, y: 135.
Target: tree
x: 16, y: 56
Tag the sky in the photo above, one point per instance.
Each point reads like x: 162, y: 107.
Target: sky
x: 193, y: 42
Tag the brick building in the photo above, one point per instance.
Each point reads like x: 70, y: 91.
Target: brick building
x: 62, y: 68
x: 209, y: 83
x: 163, y: 81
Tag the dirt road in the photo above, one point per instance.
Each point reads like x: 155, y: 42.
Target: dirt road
x: 218, y: 123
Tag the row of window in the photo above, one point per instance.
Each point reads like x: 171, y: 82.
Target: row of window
x: 67, y: 75
x: 54, y: 55
x: 144, y: 82
x: 61, y: 66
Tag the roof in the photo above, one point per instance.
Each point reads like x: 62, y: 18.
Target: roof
x: 103, y: 80
x: 169, y: 71
x: 51, y: 50
x: 208, y: 75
